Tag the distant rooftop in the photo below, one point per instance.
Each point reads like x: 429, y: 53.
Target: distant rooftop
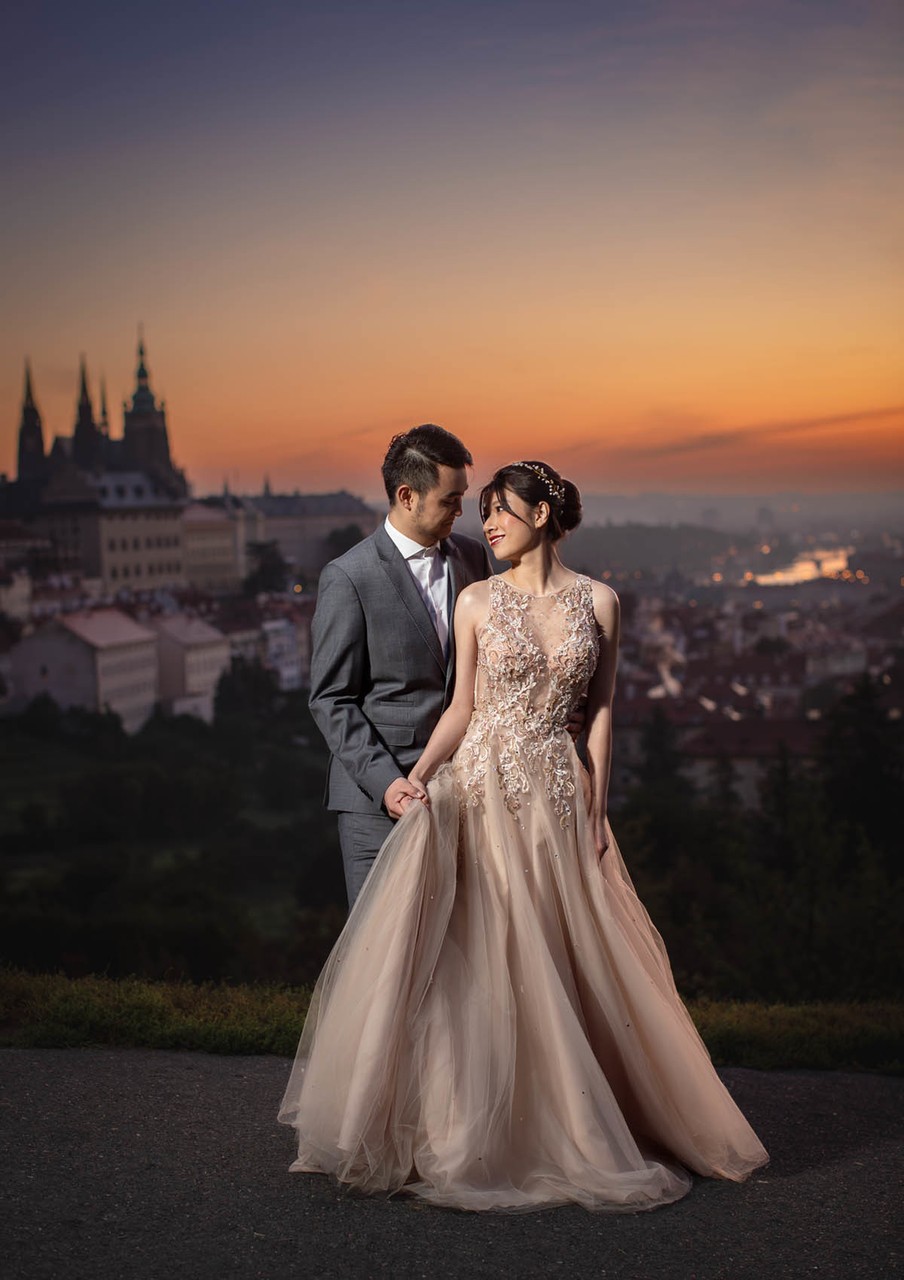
x: 311, y: 504
x: 186, y: 630
x: 128, y: 489
x: 202, y: 513
x: 106, y: 628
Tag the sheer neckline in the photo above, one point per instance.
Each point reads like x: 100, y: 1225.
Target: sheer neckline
x: 550, y: 595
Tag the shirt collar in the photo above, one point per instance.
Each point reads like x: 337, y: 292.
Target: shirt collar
x: 408, y: 547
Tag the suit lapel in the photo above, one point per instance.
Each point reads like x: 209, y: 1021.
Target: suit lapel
x: 399, y: 575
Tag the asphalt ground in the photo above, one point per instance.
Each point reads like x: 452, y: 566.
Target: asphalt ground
x: 148, y: 1164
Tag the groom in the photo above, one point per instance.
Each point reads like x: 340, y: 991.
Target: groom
x: 383, y: 658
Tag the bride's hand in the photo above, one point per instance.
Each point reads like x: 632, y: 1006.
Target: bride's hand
x: 417, y: 781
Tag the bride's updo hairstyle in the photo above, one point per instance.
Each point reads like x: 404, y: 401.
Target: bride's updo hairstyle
x: 535, y: 482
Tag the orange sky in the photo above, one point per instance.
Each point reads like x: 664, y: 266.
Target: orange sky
x: 661, y: 249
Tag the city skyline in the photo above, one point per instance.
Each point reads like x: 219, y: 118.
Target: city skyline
x: 660, y: 249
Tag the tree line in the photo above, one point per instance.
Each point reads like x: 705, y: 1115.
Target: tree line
x: 203, y: 851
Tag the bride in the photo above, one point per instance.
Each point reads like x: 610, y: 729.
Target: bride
x: 497, y: 1026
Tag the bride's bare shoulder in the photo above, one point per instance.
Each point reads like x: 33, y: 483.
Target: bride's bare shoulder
x: 473, y: 603
x: 605, y: 606
x: 474, y: 599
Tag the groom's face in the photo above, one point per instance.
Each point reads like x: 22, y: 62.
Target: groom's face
x: 431, y: 515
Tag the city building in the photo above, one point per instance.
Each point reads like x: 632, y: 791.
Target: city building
x: 101, y: 661
x: 282, y: 652
x: 15, y: 594
x: 216, y: 532
x: 192, y: 657
x: 313, y: 528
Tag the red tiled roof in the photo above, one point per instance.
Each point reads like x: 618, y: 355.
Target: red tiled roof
x: 106, y: 628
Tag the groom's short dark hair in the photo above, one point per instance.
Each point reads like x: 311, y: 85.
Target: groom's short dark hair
x: 413, y: 458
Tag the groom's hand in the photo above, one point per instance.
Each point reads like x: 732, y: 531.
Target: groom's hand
x: 399, y: 795
x: 577, y: 720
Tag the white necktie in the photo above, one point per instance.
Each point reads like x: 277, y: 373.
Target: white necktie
x: 432, y: 579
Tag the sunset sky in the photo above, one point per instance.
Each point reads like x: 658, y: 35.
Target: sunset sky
x: 658, y: 244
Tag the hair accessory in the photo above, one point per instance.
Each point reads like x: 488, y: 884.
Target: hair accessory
x: 555, y: 487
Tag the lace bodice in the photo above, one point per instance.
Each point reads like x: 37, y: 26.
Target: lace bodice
x: 535, y: 656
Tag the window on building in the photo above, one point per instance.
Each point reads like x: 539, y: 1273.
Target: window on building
x: 114, y: 573
x: 125, y: 571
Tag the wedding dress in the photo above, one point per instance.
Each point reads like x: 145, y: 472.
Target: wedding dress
x: 497, y: 1026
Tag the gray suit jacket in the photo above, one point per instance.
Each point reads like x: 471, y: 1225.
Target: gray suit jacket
x: 379, y: 680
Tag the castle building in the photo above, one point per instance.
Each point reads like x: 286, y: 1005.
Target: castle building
x: 111, y: 508
x: 145, y: 441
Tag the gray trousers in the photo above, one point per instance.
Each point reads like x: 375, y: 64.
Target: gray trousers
x: 361, y: 837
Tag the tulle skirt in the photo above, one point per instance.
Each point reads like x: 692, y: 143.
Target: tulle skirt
x: 497, y: 1026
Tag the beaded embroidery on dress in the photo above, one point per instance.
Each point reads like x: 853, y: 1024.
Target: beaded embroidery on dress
x: 535, y: 656
x: 497, y: 1026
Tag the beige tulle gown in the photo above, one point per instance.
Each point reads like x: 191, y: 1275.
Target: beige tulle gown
x: 497, y: 1026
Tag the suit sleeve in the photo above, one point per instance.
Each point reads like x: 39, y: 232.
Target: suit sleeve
x: 339, y: 679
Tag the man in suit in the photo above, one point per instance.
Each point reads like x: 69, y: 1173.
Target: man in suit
x: 383, y: 659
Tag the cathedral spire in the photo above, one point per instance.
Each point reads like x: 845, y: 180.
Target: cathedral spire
x: 31, y: 434
x: 28, y: 398
x: 104, y: 423
x: 143, y: 399
x: 83, y: 396
x: 145, y: 440
x: 85, y: 438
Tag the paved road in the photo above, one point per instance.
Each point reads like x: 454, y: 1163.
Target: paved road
x: 157, y: 1166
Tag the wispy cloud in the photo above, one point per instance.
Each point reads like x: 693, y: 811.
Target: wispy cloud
x: 716, y: 439
x: 707, y: 440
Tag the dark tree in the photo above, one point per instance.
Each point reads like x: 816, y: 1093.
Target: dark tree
x: 862, y: 763
x: 661, y: 763
x: 341, y: 540
x: 269, y: 571
x: 247, y: 690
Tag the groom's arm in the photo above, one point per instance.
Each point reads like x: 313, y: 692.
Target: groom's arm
x: 340, y: 677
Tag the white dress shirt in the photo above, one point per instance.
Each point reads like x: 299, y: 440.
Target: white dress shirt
x: 431, y: 576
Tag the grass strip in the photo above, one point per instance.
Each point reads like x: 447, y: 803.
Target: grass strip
x: 52, y: 1011
x: 47, y: 1010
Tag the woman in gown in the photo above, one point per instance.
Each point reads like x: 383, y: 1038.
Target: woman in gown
x: 497, y: 1026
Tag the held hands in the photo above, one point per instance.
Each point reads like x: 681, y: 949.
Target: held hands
x: 399, y: 795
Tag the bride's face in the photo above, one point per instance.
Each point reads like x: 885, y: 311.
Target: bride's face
x: 511, y: 533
